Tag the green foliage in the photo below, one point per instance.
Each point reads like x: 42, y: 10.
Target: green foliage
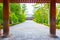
x: 16, y: 13
x: 13, y: 18
x: 58, y: 14
x: 41, y: 14
x: 1, y: 13
x: 58, y: 26
x: 46, y: 24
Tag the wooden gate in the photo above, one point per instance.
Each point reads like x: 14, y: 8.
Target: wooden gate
x: 52, y: 13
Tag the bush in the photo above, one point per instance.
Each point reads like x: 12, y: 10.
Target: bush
x: 46, y: 24
x: 58, y: 26
x: 17, y: 15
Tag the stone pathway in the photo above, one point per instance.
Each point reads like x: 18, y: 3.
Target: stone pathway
x: 30, y: 30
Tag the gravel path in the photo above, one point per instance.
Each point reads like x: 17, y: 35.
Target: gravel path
x: 30, y: 30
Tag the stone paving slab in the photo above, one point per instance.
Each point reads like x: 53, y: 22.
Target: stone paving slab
x: 30, y: 30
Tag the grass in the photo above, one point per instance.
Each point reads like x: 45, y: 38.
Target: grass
x: 46, y: 24
x: 1, y: 27
x: 57, y: 26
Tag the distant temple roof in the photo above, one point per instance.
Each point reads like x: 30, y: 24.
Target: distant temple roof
x: 30, y: 1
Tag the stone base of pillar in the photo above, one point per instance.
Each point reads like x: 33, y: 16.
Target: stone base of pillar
x: 53, y: 36
x: 0, y: 33
x: 6, y: 36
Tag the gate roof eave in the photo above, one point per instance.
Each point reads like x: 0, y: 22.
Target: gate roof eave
x: 30, y: 1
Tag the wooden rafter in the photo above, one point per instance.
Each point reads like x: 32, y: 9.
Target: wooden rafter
x: 30, y: 1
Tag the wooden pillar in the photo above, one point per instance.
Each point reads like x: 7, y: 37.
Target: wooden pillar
x: 5, y: 18
x: 53, y: 18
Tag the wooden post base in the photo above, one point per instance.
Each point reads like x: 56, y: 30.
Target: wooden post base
x: 53, y: 36
x: 6, y: 36
x: 0, y: 33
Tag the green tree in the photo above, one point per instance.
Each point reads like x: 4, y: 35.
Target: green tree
x: 41, y: 13
x: 16, y: 13
x: 1, y: 13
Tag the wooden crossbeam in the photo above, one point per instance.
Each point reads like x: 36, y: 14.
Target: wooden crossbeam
x: 30, y: 1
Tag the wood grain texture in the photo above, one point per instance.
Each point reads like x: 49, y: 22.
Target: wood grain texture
x: 6, y: 17
x: 53, y: 17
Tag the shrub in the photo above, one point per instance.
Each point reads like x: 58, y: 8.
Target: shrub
x: 16, y: 14
x: 58, y: 26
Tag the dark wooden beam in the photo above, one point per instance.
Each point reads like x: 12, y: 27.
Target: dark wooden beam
x: 53, y: 18
x: 57, y: 1
x: 5, y: 18
x: 1, y: 1
x: 30, y: 1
